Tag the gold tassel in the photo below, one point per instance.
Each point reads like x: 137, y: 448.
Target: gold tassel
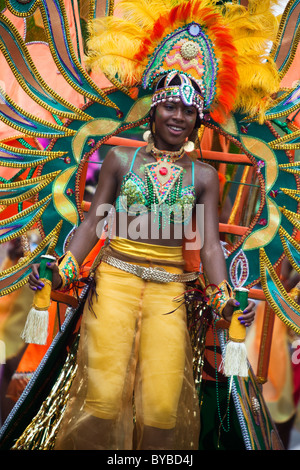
x: 36, y: 326
x: 235, y: 357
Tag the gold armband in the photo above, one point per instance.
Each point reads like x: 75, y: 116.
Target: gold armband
x: 68, y: 270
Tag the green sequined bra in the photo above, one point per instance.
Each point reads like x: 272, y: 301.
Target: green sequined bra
x: 169, y: 203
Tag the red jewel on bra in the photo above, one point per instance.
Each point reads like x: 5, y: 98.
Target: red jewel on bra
x: 163, y: 171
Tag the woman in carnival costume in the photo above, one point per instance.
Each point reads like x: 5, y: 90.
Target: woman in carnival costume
x: 137, y: 338
x: 134, y: 386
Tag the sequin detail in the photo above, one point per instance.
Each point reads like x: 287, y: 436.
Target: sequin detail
x: 133, y: 195
x: 169, y: 203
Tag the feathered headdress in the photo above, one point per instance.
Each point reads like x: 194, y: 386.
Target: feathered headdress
x: 223, y: 48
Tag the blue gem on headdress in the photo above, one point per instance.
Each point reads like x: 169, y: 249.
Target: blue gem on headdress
x: 194, y: 29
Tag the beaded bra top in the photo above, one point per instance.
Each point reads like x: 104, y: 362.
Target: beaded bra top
x: 163, y: 196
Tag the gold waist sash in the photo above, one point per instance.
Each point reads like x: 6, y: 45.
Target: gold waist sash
x: 147, y: 251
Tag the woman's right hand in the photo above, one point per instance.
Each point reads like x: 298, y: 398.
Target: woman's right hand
x: 36, y: 283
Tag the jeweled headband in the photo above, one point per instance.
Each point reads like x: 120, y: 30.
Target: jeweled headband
x: 174, y: 93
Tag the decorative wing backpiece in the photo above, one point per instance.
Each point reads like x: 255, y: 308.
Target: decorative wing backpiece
x: 47, y: 151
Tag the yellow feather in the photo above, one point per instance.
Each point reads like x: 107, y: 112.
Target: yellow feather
x: 141, y: 12
x: 112, y: 45
x: 115, y: 40
x: 253, y: 30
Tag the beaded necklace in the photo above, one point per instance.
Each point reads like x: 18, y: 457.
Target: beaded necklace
x: 166, y: 155
x: 164, y: 170
x: 226, y: 413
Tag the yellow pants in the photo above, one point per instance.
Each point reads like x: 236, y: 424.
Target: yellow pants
x: 133, y: 329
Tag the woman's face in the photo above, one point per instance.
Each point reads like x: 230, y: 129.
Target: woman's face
x: 174, y: 122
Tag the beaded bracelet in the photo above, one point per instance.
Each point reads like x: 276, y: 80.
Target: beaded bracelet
x: 218, y: 298
x: 68, y: 270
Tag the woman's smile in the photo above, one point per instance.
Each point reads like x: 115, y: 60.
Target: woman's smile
x: 175, y: 129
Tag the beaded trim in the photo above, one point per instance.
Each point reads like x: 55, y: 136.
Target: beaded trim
x: 291, y: 248
x: 219, y: 297
x: 184, y: 93
x: 40, y: 181
x: 173, y: 204
x: 237, y: 398
x: 280, y: 38
x: 24, y: 263
x: 95, y: 93
x: 268, y: 277
x: 70, y: 110
x: 159, y: 193
x: 192, y: 40
x: 165, y: 155
x: 68, y: 270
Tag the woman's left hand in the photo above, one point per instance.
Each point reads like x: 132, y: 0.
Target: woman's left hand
x: 246, y: 318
